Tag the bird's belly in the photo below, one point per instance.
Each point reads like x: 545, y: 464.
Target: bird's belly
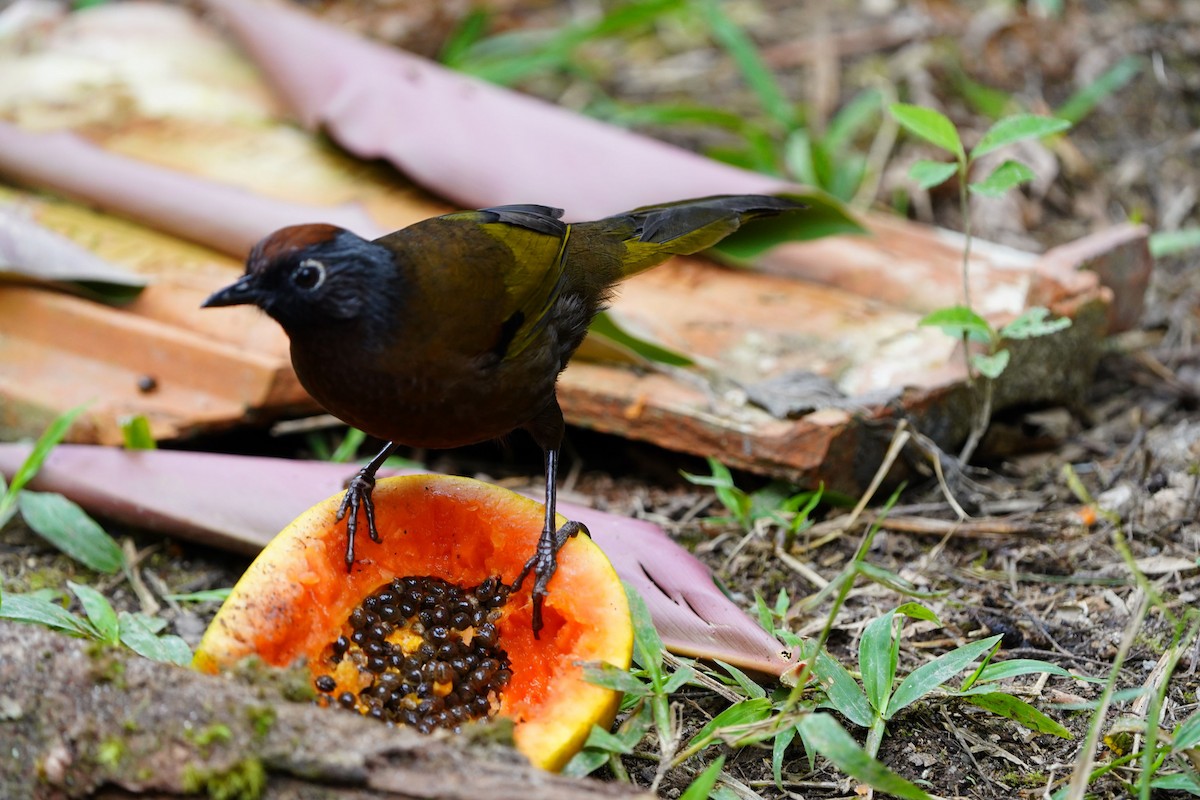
x: 451, y: 409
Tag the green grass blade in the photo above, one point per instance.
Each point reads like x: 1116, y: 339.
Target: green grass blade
x: 141, y: 638
x: 1169, y: 243
x: 877, y: 660
x: 136, y: 435
x: 40, y: 611
x: 68, y: 527
x: 98, y: 610
x: 748, y: 686
x: 1020, y: 712
x: 647, y: 646
x: 702, y: 786
x: 604, y: 326
x: 1015, y: 129
x: 857, y: 116
x: 843, y: 692
x: 741, y: 713
x: 33, y: 462
x: 202, y: 596
x: 1080, y: 104
x: 932, y: 126
x: 1013, y: 668
x: 1187, y: 735
x: 928, y: 677
x: 778, y: 750
x: 822, y: 732
x: 614, y: 678
x: 347, y: 449
x: 466, y: 35
x: 745, y: 55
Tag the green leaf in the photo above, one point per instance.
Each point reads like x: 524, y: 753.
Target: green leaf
x: 203, y: 596
x: 600, y: 739
x: 747, y: 684
x: 1169, y: 243
x: 918, y: 611
x: 678, y: 679
x: 958, y: 320
x: 1179, y: 782
x: 928, y: 174
x: 843, y: 692
x: 891, y: 580
x: 98, y: 610
x: 1034, y: 322
x: 33, y: 462
x: 993, y: 365
x: 991, y: 103
x: 778, y: 750
x: 68, y: 527
x: 604, y: 326
x: 928, y: 677
x: 614, y: 678
x: 856, y: 117
x: 469, y: 32
x: 1002, y: 670
x: 647, y: 646
x: 1004, y: 177
x: 930, y: 125
x: 743, y: 712
x: 135, y: 431
x: 825, y: 216
x: 822, y: 732
x: 745, y: 54
x: 347, y: 449
x: 1187, y: 735
x: 1015, y: 129
x: 40, y: 611
x: 140, y: 637
x: 702, y: 786
x: 877, y: 655
x: 1081, y: 103
x: 1019, y: 712
x: 585, y: 762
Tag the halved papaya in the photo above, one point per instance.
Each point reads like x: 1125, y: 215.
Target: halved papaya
x: 447, y: 537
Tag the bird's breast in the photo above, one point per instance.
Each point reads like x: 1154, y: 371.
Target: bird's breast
x: 425, y: 397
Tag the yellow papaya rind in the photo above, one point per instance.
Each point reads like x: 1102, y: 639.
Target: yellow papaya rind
x: 293, y: 600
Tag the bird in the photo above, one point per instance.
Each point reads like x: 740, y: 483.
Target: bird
x: 453, y: 331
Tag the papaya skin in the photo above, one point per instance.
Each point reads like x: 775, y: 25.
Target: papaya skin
x: 295, y: 598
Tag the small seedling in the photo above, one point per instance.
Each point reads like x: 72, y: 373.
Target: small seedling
x: 962, y: 320
x: 790, y: 511
x: 101, y: 623
x: 56, y: 519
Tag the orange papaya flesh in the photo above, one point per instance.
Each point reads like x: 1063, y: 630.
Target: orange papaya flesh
x: 296, y: 600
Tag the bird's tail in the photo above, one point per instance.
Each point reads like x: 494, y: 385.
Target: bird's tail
x: 654, y: 233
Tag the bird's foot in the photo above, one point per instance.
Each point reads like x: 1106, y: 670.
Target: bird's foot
x: 543, y: 564
x: 358, y: 495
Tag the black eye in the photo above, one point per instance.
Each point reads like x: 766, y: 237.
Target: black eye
x: 309, y: 274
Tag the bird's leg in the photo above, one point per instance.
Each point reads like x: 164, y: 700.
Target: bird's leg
x: 545, y: 560
x: 358, y: 493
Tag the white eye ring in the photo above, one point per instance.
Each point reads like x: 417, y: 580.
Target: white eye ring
x: 313, y: 264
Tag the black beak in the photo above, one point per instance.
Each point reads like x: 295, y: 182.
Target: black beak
x: 241, y: 292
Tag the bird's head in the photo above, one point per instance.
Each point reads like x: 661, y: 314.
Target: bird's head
x: 304, y: 275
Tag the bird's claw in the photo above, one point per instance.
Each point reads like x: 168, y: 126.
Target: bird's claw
x: 543, y: 564
x: 358, y: 495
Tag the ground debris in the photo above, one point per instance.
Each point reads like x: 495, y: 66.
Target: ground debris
x: 85, y: 721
